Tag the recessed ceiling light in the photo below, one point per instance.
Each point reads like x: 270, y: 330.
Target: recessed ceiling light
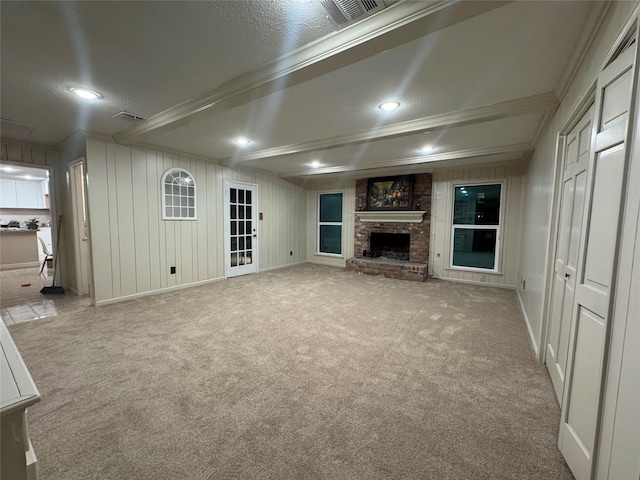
x: 427, y: 148
x: 388, y: 106
x: 242, y: 140
x: 85, y: 93
x: 315, y: 164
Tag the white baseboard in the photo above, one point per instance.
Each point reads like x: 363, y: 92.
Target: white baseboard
x: 18, y: 266
x: 472, y: 282
x: 532, y: 338
x: 282, y: 266
x: 157, y: 292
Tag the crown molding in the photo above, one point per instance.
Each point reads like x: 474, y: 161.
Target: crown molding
x: 394, y: 26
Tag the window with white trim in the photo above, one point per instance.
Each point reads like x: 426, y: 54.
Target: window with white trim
x: 178, y: 195
x: 475, y: 231
x: 330, y: 223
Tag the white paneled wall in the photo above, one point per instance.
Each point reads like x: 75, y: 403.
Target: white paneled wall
x: 348, y: 188
x: 133, y: 248
x: 442, y: 214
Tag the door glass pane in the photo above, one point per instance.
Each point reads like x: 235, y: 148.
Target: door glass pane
x: 233, y: 195
x: 248, y: 212
x: 477, y: 205
x: 234, y: 244
x: 331, y: 207
x: 240, y: 212
x: 474, y: 248
x: 234, y: 259
x: 248, y: 197
x: 241, y: 245
x: 248, y: 230
x: 247, y: 258
x: 240, y: 196
x: 331, y: 239
x: 234, y: 228
x: 249, y: 243
x: 233, y: 211
x: 241, y: 229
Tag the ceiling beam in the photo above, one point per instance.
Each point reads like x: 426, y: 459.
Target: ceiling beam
x: 516, y: 148
x: 545, y: 102
x: 387, y: 29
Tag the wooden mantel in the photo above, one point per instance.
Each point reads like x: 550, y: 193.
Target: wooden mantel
x: 397, y: 216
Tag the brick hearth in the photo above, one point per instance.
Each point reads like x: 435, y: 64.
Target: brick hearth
x: 416, y: 268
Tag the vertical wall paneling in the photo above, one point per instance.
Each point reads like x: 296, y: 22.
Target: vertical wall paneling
x: 141, y: 215
x: 97, y: 193
x: 202, y: 204
x: 133, y: 248
x: 170, y: 234
x: 154, y: 204
x: 114, y: 230
x: 126, y: 227
x: 184, y: 239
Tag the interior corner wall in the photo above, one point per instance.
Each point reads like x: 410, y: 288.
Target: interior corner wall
x: 132, y: 248
x: 348, y: 188
x: 442, y: 214
x: 538, y: 210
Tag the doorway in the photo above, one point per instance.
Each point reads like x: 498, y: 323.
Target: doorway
x: 80, y: 231
x: 240, y: 229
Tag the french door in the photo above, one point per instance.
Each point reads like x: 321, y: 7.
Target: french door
x: 577, y: 151
x: 596, y: 267
x: 240, y: 228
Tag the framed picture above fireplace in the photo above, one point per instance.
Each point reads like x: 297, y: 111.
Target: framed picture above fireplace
x: 390, y: 193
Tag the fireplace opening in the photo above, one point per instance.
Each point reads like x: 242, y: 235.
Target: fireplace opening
x: 389, y: 245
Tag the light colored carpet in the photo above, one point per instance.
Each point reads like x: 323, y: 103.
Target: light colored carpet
x: 304, y: 372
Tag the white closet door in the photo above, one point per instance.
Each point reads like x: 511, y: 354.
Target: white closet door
x: 593, y: 296
x: 577, y: 152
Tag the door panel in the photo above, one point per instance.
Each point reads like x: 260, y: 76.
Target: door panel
x: 606, y: 198
x: 240, y: 229
x: 576, y: 160
x: 584, y: 372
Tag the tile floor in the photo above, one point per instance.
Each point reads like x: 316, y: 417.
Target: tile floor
x: 21, y: 300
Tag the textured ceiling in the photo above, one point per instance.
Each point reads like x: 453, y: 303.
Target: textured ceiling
x: 277, y: 72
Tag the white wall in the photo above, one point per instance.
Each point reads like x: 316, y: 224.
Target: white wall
x: 348, y: 188
x: 442, y: 214
x: 540, y: 176
x: 133, y: 248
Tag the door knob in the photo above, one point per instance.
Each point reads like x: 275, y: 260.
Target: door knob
x: 566, y: 275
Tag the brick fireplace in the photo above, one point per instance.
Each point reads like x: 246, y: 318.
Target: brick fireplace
x: 386, y: 256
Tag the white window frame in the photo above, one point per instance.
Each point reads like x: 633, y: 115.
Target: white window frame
x: 319, y: 224
x: 172, y: 196
x: 497, y: 228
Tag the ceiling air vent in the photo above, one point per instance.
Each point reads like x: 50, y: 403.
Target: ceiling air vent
x: 346, y: 12
x: 130, y: 117
x: 13, y: 129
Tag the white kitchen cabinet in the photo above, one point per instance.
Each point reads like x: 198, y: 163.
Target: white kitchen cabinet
x: 8, y: 197
x: 21, y: 194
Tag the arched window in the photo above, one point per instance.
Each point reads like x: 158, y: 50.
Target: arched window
x: 179, y: 195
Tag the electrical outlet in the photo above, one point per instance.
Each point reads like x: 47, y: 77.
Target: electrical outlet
x: 173, y: 270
